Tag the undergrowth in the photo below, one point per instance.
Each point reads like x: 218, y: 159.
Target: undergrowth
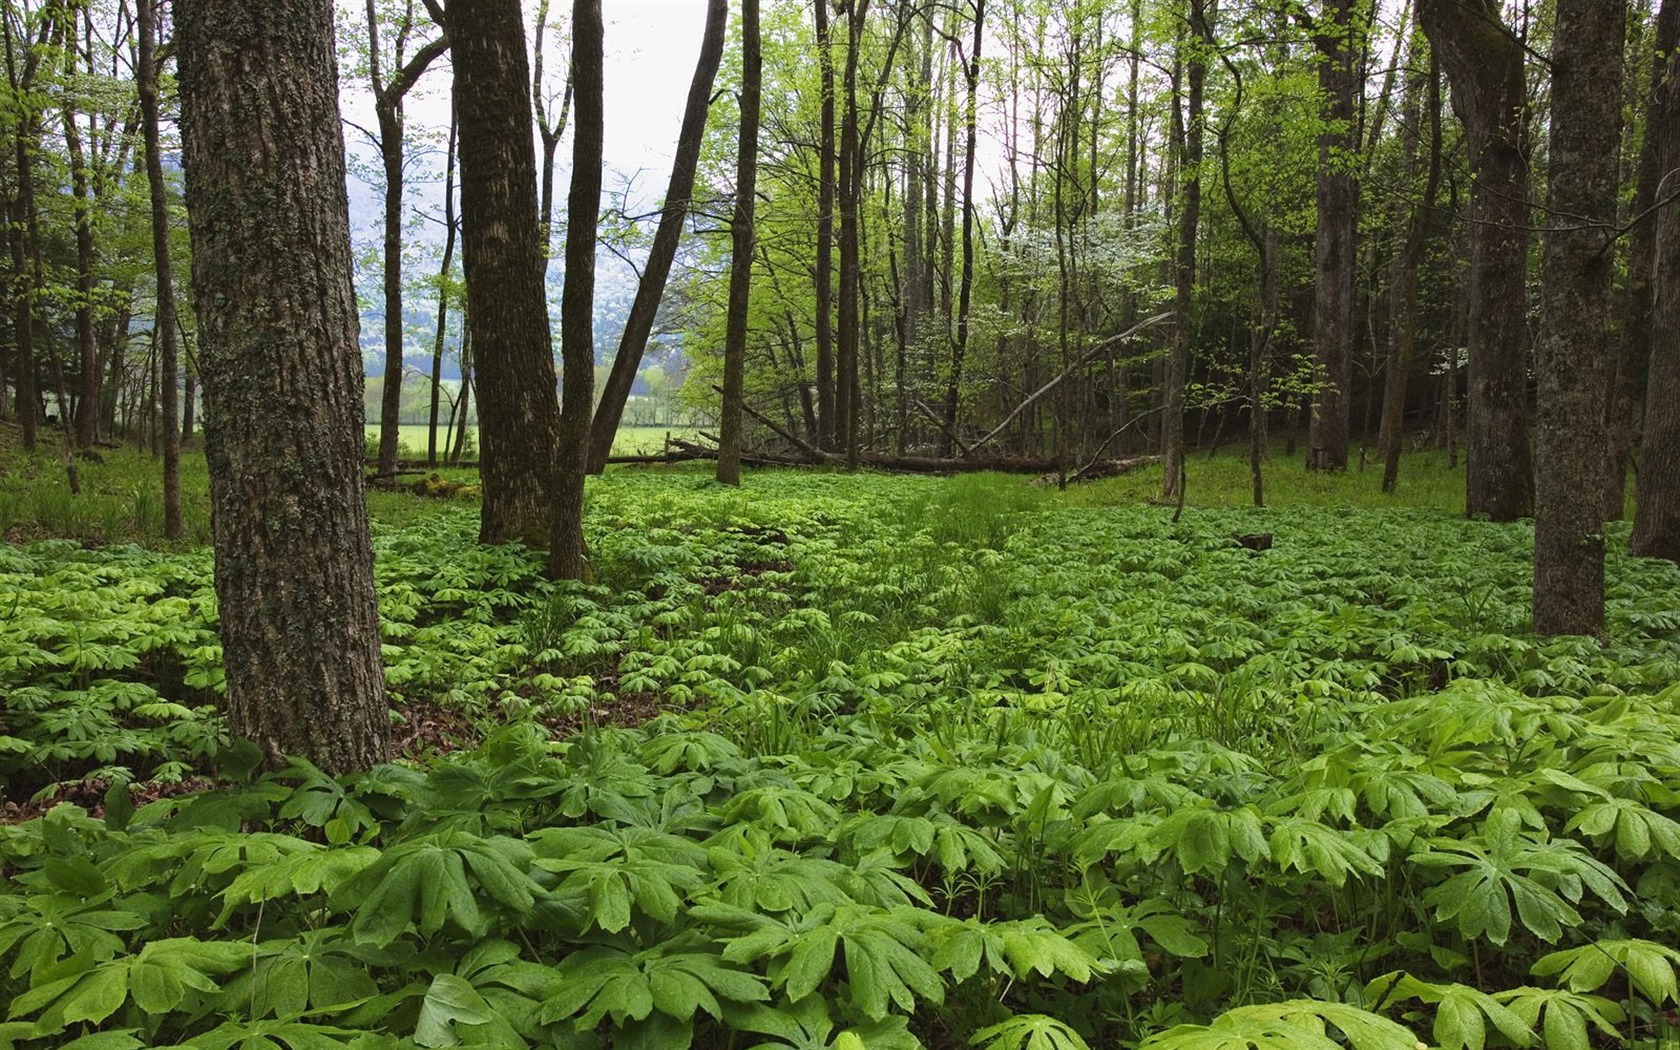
x: 938, y: 764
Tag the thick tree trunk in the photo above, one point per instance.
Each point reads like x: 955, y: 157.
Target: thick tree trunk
x: 163, y: 322
x: 1484, y: 64
x: 1338, y: 192
x: 1656, y: 519
x: 1633, y: 348
x: 1575, y: 338
x: 507, y: 306
x: 567, y: 554
x: 283, y: 379
x: 651, y: 288
x: 740, y: 250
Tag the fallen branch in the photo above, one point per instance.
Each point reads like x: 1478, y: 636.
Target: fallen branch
x: 1107, y: 344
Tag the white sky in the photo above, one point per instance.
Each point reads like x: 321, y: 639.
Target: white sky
x: 651, y: 47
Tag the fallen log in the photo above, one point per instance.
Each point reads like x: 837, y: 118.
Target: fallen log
x: 925, y: 464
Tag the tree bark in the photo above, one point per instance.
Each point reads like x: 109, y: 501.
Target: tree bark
x: 282, y: 376
x: 827, y: 413
x: 567, y: 555
x: 507, y: 306
x: 1633, y: 348
x: 649, y: 290
x: 1189, y: 133
x: 1484, y: 64
x: 163, y: 322
x: 1575, y: 338
x: 846, y: 355
x: 965, y: 292
x: 1338, y: 194
x: 1402, y: 312
x: 20, y: 75
x: 388, y: 109
x: 741, y: 249
x: 450, y: 229
x: 1656, y: 519
x: 87, y: 344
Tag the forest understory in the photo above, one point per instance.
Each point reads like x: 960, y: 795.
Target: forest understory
x: 848, y: 760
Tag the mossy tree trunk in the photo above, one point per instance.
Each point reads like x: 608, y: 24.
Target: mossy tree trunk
x: 282, y: 374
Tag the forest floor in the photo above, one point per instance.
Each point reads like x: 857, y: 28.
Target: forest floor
x: 841, y: 761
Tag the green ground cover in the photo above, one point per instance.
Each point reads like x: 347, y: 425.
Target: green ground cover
x: 855, y: 761
x: 630, y: 441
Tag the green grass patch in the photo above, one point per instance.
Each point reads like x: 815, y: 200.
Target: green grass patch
x: 931, y: 762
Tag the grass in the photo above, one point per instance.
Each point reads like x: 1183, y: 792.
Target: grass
x: 630, y: 441
x: 1222, y: 481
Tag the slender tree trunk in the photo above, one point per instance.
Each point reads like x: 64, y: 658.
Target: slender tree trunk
x: 388, y: 109
x: 965, y: 292
x: 1575, y: 340
x: 283, y: 380
x: 549, y: 129
x: 1484, y: 63
x: 1189, y: 133
x: 507, y: 306
x: 827, y: 411
x: 87, y: 343
x: 1338, y: 192
x: 443, y: 290
x: 741, y: 248
x: 651, y: 288
x: 846, y: 358
x: 22, y: 62
x: 1402, y: 326
x: 163, y: 323
x: 567, y: 554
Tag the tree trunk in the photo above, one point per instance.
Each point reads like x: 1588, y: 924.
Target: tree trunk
x: 846, y: 357
x: 443, y: 289
x: 741, y: 249
x: 1402, y: 326
x: 549, y: 129
x: 959, y: 348
x: 649, y: 290
x: 1633, y: 348
x: 1575, y: 338
x: 283, y: 380
x: 567, y: 554
x: 1656, y: 518
x: 507, y: 306
x: 1484, y: 64
x: 1189, y: 133
x: 388, y: 109
x: 23, y: 60
x: 1338, y: 191
x: 87, y: 344
x: 827, y: 413
x: 163, y: 322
